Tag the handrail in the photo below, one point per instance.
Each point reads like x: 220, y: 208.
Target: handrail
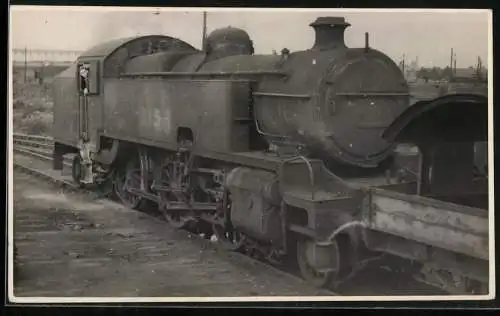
x: 309, y: 167
x: 203, y: 74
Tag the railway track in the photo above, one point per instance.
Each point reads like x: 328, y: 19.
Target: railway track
x: 71, y: 245
x: 373, y: 282
x: 41, y: 147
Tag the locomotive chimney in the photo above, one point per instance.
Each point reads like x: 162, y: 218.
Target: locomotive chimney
x: 329, y: 32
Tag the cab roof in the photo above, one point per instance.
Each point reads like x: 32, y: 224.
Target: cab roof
x: 105, y: 49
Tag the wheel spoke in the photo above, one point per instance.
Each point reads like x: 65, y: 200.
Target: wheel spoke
x: 177, y: 219
x: 126, y: 178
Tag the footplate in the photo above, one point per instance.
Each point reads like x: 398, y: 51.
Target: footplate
x: 307, y: 182
x: 330, y: 202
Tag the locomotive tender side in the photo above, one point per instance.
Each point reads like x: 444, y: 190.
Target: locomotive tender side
x: 162, y: 110
x: 87, y: 108
x: 239, y: 140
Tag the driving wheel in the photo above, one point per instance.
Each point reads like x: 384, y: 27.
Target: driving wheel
x: 127, y: 177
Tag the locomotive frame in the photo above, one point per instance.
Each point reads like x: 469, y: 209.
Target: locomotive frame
x: 205, y: 162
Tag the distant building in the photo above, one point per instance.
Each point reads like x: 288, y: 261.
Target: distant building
x: 38, y: 65
x: 469, y: 74
x: 37, y: 72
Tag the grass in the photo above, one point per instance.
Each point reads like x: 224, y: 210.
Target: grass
x: 32, y: 109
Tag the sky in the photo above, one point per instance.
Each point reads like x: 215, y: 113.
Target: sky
x: 428, y: 35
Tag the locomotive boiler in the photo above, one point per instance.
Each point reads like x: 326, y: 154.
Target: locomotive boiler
x: 251, y: 144
x: 334, y: 100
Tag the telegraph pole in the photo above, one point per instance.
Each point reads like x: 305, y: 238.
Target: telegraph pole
x: 25, y: 63
x: 455, y: 64
x: 204, y: 34
x: 403, y: 64
x: 451, y: 59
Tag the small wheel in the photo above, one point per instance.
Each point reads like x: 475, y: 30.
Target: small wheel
x: 229, y: 240
x: 76, y: 170
x: 312, y: 275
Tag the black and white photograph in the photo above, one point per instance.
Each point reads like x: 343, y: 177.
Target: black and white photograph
x: 249, y: 154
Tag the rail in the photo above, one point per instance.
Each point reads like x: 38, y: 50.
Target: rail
x: 19, y: 136
x: 40, y: 147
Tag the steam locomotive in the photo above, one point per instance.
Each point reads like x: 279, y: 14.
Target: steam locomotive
x: 275, y: 152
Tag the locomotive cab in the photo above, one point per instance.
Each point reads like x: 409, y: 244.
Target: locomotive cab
x: 80, y: 97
